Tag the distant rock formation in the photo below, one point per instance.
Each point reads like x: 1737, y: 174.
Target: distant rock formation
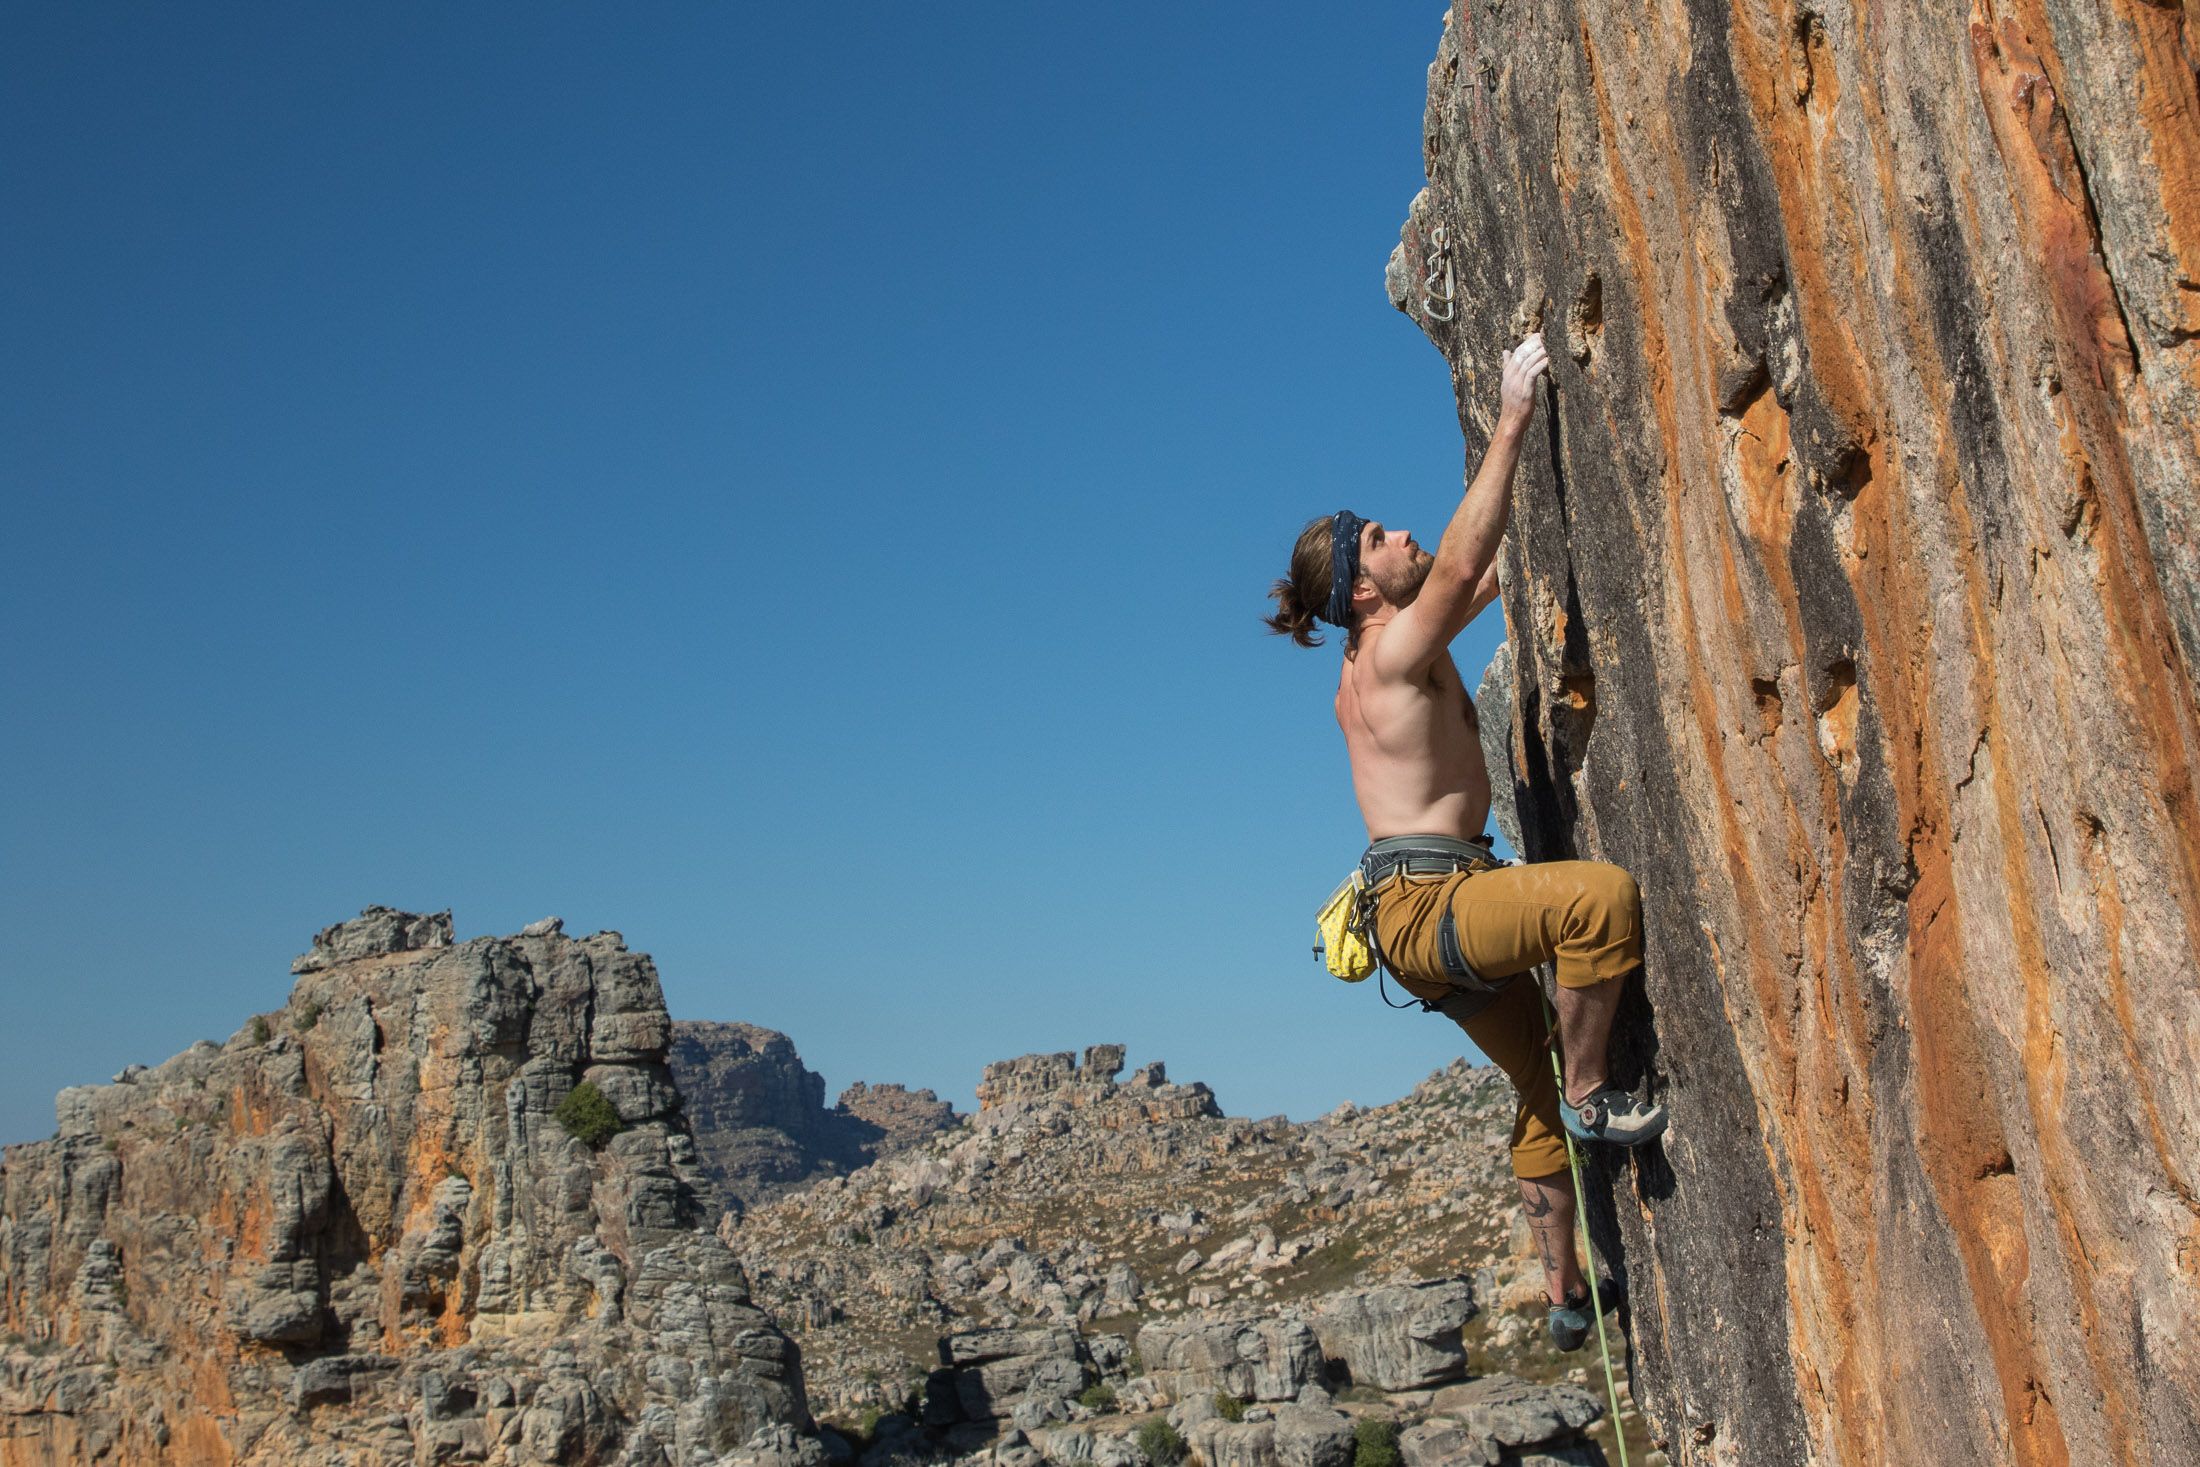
x: 1853, y: 587
x: 358, y: 1232
x: 1013, y: 1089
x: 892, y: 1118
x: 759, y: 1116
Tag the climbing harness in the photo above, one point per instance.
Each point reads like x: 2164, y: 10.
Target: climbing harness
x: 1581, y: 1216
x: 1439, y: 263
x: 1422, y: 855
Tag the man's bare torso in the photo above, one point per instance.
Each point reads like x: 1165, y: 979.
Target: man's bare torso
x: 1416, y: 750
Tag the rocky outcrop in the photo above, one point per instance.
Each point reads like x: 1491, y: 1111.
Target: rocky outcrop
x: 759, y: 1116
x: 1028, y: 1376
x: 1306, y: 1430
x: 1852, y: 598
x: 892, y: 1118
x: 363, y: 1230
x: 1394, y: 1338
x: 1013, y: 1090
x: 1256, y: 1359
x: 1498, y: 1419
x: 1402, y: 1337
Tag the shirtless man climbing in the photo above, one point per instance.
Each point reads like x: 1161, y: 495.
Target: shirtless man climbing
x: 1456, y: 927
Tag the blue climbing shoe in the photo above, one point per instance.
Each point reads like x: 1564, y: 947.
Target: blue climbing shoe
x: 1572, y: 1321
x: 1611, y: 1114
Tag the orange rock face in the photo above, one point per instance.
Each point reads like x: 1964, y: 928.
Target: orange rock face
x: 1854, y: 596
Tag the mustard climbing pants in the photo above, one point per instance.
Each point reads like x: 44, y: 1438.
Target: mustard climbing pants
x: 1586, y: 916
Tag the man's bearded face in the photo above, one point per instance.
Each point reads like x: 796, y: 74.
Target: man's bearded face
x: 1400, y: 579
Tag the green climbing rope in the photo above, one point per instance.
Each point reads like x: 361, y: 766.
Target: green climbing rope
x: 1581, y: 1216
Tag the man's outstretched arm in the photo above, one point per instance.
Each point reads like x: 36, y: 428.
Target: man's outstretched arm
x: 1467, y: 554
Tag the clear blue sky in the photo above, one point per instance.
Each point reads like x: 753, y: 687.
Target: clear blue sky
x: 795, y: 484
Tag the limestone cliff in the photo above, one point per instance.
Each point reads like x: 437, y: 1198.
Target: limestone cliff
x: 1854, y: 597
x: 759, y: 1115
x: 357, y: 1232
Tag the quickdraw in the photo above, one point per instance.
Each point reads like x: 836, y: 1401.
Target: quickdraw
x: 1439, y: 264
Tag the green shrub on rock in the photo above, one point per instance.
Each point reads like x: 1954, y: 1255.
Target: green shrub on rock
x: 1229, y: 1407
x: 587, y: 1115
x: 1097, y: 1398
x: 1375, y: 1444
x: 1161, y: 1442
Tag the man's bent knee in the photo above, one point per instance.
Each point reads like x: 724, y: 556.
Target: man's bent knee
x: 1603, y: 937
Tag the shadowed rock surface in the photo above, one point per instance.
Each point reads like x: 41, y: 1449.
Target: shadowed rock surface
x: 357, y: 1233
x: 759, y: 1116
x: 1851, y: 590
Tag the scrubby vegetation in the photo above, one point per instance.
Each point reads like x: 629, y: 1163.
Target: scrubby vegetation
x: 1375, y: 1444
x: 1161, y: 1442
x: 588, y: 1116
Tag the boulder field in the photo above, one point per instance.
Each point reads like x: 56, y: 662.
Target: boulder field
x: 446, y: 1205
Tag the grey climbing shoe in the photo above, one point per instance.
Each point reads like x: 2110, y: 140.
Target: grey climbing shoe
x: 1611, y: 1114
x: 1572, y: 1321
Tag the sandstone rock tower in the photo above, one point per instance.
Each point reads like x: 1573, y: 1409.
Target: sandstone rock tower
x: 1854, y: 596
x: 357, y: 1232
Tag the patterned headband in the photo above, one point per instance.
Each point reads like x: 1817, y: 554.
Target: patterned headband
x: 1344, y: 566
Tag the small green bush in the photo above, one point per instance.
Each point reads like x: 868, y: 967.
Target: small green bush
x: 1229, y: 1407
x: 1136, y: 1365
x: 862, y: 1236
x: 260, y: 1032
x: 588, y: 1116
x: 310, y: 1017
x: 1375, y: 1444
x: 1097, y: 1398
x: 1161, y: 1442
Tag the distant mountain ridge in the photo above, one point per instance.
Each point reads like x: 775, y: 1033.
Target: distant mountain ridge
x: 761, y: 1126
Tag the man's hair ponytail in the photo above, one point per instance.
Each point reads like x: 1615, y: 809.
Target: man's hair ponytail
x: 1299, y: 595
